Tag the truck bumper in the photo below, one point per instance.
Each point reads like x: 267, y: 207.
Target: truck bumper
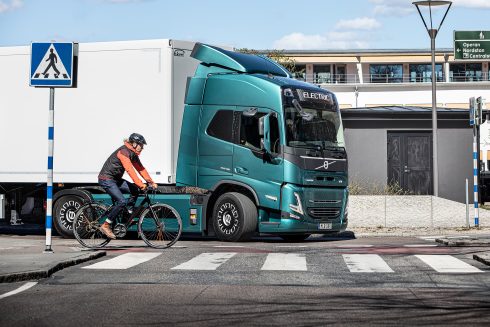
x: 308, y: 210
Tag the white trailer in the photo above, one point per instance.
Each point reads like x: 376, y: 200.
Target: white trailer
x: 123, y: 87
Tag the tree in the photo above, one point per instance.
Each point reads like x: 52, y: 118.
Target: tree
x: 279, y: 57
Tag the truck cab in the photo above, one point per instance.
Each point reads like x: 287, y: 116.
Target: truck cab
x: 268, y: 149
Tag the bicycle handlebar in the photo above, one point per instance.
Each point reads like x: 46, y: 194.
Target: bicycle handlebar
x: 148, y: 189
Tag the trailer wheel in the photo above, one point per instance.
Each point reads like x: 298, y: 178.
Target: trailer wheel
x: 64, y: 211
x: 234, y: 217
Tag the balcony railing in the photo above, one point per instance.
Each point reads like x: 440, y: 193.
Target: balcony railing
x: 469, y: 77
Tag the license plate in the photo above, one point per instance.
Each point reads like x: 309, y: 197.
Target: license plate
x: 325, y: 226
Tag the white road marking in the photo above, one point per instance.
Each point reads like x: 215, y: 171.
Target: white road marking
x: 124, y: 261
x: 447, y: 264
x: 206, y: 261
x: 366, y: 263
x: 285, y: 261
x: 431, y: 238
x: 24, y: 287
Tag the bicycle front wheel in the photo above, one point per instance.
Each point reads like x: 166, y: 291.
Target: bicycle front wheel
x: 86, y: 225
x: 160, y: 226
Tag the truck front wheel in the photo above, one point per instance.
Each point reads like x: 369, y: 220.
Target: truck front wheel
x: 64, y: 211
x: 234, y: 217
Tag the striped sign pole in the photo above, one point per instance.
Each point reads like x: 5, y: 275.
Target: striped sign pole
x: 475, y: 175
x: 49, y: 188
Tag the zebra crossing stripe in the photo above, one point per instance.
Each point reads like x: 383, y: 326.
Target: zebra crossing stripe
x: 285, y: 261
x: 124, y: 261
x: 447, y: 264
x: 206, y: 261
x: 366, y: 263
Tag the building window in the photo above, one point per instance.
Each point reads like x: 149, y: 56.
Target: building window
x: 299, y: 72
x: 423, y: 73
x: 221, y: 126
x: 340, y: 74
x: 466, y: 72
x: 386, y: 73
x: 322, y: 74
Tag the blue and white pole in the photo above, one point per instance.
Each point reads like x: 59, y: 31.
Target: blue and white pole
x: 49, y: 188
x: 475, y: 175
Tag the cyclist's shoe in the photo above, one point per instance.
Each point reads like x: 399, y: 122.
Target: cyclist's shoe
x: 106, y: 229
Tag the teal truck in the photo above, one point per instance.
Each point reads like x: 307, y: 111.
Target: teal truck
x: 256, y: 151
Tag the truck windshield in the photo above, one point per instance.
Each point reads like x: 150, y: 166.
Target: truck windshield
x: 322, y: 128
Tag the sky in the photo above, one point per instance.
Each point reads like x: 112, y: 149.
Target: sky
x: 253, y: 24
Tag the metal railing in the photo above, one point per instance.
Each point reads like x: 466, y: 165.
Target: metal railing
x: 469, y: 77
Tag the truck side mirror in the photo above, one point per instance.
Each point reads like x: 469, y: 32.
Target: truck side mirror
x: 264, y: 132
x: 261, y: 126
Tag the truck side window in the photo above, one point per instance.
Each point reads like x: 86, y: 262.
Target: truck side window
x: 249, y: 132
x: 221, y: 126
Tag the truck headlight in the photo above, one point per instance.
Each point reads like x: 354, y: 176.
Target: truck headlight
x: 298, y: 208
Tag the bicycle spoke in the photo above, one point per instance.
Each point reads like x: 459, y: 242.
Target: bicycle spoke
x: 160, y: 226
x: 86, y: 225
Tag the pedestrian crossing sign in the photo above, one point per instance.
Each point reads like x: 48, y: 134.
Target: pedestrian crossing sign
x: 52, y: 65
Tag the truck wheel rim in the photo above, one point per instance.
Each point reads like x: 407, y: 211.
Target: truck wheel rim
x: 228, y: 218
x: 68, y: 212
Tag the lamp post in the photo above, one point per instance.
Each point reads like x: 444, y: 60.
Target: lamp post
x: 432, y: 34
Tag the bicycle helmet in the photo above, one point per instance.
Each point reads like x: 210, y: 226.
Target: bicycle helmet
x: 138, y: 138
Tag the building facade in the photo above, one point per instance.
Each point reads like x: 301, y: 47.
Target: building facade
x: 372, y: 78
x: 393, y: 146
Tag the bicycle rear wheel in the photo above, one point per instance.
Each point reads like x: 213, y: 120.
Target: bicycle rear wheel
x: 86, y: 225
x: 160, y: 226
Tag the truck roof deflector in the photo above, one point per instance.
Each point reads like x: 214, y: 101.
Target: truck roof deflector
x: 240, y: 62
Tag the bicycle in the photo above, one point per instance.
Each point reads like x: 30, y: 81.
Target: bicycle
x: 159, y: 225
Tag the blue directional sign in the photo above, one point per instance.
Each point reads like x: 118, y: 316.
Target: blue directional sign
x: 52, y: 64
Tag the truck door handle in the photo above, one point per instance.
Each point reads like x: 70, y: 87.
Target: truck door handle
x: 241, y: 170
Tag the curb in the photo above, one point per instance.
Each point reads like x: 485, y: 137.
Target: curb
x: 463, y: 242
x: 39, y: 274
x: 483, y: 258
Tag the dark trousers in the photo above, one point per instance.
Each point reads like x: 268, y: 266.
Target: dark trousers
x: 116, y: 188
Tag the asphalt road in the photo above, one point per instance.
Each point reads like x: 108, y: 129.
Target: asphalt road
x: 368, y: 281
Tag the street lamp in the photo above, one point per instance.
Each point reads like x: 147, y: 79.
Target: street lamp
x: 432, y: 34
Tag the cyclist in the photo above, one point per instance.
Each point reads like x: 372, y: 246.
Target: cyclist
x: 125, y: 158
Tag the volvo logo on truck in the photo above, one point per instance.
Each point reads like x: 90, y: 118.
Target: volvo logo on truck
x: 326, y: 164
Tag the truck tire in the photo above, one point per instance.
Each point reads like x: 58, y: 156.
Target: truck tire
x: 64, y: 211
x: 234, y: 217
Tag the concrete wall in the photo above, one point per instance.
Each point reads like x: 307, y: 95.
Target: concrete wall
x: 455, y: 163
x: 414, y: 211
x: 367, y: 153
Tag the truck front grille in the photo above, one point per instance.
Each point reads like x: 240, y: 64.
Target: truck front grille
x: 324, y: 213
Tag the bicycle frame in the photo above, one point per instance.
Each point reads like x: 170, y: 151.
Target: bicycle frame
x: 146, y: 203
